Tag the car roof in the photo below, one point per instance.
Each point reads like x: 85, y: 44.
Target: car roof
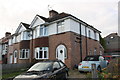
x: 107, y: 56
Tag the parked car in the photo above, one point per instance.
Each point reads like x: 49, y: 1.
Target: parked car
x: 85, y: 65
x: 108, y: 58
x: 52, y: 70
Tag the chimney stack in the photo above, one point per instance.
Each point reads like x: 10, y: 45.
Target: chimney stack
x: 7, y: 34
x: 52, y: 13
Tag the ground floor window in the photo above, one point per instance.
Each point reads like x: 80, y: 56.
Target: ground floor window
x: 41, y: 53
x: 90, y: 52
x: 95, y: 51
x: 24, y: 53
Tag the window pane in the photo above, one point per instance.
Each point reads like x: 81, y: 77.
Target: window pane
x: 57, y: 54
x: 26, y: 55
x: 41, y: 31
x: 36, y: 54
x: 23, y: 54
x: 65, y: 53
x: 15, y: 54
x: 89, y: 34
x: 45, y: 54
x: 60, y: 27
x: 45, y: 31
x: 40, y: 54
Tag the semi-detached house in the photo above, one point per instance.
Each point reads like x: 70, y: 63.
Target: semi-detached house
x: 60, y: 36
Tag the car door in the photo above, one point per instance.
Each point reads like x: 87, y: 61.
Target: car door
x: 56, y: 71
x: 64, y: 69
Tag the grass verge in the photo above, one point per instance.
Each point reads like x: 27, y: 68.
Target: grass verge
x: 11, y: 75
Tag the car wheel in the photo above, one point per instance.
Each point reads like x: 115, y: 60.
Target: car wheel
x: 99, y: 69
x: 66, y: 76
x: 81, y: 71
x: 107, y: 64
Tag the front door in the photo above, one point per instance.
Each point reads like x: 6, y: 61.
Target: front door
x: 61, y: 53
x: 11, y: 58
x: 15, y: 56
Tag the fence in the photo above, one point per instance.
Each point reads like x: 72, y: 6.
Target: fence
x: 9, y: 68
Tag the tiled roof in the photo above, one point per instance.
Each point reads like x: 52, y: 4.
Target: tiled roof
x: 63, y: 15
x: 26, y: 25
x: 112, y: 34
x: 56, y: 17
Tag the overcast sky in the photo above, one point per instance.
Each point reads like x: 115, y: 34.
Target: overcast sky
x: 102, y: 14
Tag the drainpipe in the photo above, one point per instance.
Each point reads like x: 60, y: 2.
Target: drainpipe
x: 31, y: 47
x: 86, y: 40
x: 80, y: 43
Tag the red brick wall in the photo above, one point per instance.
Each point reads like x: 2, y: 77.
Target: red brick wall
x: 68, y: 39
x: 38, y: 42
x: 25, y: 44
x: 55, y: 40
x: 73, y: 49
x: 18, y: 46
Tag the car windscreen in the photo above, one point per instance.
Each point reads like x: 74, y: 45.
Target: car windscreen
x: 107, y: 58
x: 41, y: 66
x: 91, y: 58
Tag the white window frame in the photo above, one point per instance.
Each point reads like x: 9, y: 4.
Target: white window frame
x: 43, y: 49
x: 26, y: 54
x: 90, y: 52
x: 42, y: 32
x: 60, y: 27
x: 89, y: 33
x: 95, y: 36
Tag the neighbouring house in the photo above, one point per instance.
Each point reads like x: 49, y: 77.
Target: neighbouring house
x: 4, y: 48
x: 0, y: 51
x: 60, y: 36
x: 19, y: 45
x: 112, y: 44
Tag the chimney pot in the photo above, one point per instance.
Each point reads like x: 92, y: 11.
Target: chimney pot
x: 7, y: 34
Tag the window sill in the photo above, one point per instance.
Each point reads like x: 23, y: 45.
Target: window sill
x: 40, y: 58
x: 23, y: 58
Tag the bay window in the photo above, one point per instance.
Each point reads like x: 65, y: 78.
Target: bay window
x: 41, y: 53
x: 24, y: 53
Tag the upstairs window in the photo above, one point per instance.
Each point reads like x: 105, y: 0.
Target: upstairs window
x: 95, y: 36
x: 60, y: 27
x: 24, y: 54
x: 89, y: 34
x: 43, y: 31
